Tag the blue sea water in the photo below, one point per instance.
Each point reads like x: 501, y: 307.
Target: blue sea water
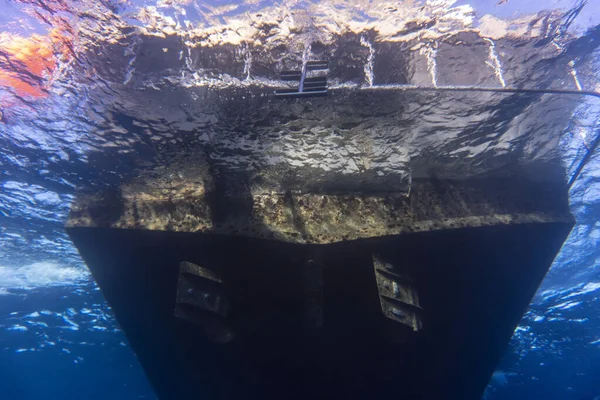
x: 64, y: 344
x: 58, y: 337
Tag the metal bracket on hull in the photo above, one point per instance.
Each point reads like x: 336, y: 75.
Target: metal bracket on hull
x: 201, y: 299
x: 398, y: 297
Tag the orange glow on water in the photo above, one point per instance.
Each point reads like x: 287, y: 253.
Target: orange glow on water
x: 28, y: 62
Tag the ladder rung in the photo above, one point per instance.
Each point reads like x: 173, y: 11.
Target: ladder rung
x: 291, y: 75
x: 316, y: 65
x: 296, y: 93
x: 315, y: 82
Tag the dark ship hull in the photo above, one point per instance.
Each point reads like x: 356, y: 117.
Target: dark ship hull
x: 418, y: 315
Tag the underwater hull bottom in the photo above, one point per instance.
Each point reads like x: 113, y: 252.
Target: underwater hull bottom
x: 330, y: 338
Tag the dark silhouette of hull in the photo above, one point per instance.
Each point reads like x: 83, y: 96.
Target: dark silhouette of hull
x: 416, y: 315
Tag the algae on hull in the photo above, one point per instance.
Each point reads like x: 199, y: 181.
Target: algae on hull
x: 326, y: 218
